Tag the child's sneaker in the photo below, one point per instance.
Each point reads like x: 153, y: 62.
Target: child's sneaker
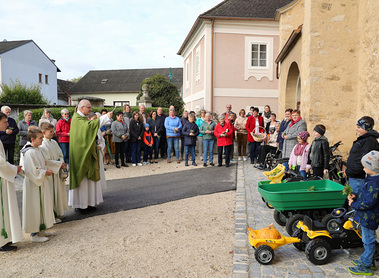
x: 360, y: 270
x: 134, y: 165
x: 359, y: 262
x: 139, y: 164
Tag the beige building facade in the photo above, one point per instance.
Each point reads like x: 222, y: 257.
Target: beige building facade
x: 229, y: 58
x: 328, y: 64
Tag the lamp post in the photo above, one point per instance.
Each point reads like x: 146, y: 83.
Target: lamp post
x: 170, y: 76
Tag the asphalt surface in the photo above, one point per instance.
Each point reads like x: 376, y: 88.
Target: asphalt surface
x: 133, y: 193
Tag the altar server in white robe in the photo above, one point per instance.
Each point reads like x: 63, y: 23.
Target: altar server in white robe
x: 10, y: 224
x: 54, y: 160
x: 37, y: 210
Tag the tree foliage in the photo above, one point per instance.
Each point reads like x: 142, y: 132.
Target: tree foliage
x: 162, y: 92
x: 76, y: 79
x: 19, y: 93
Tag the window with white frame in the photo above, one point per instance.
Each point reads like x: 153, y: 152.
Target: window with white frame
x: 187, y: 74
x: 259, y: 55
x: 197, y: 65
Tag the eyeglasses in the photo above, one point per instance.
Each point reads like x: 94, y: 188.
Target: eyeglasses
x: 66, y: 114
x: 228, y: 107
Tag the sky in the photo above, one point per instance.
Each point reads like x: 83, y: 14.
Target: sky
x: 84, y: 35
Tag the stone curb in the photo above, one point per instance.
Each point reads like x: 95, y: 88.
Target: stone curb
x: 241, y: 258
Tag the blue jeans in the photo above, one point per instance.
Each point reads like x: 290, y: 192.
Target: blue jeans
x: 356, y: 184
x: 65, y: 150
x: 208, y: 148
x: 254, y: 150
x: 136, y: 152
x: 303, y: 174
x: 189, y: 150
x: 369, y: 240
x: 173, y: 141
x: 181, y: 146
x: 127, y: 150
x: 156, y: 147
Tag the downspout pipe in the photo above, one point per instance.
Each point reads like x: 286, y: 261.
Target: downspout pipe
x: 212, y: 54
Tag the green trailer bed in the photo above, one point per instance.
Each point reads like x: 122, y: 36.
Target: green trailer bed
x: 304, y: 195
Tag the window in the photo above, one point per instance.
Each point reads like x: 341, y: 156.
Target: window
x: 105, y: 80
x: 46, y: 79
x: 40, y: 77
x: 258, y: 55
x: 197, y: 65
x: 121, y: 103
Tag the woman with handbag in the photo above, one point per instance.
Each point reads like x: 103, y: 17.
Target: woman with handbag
x: 256, y: 133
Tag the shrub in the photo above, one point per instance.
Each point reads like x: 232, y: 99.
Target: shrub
x: 19, y: 93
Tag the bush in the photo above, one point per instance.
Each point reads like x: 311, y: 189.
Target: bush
x: 19, y: 93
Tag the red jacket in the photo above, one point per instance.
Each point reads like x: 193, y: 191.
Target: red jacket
x: 250, y: 126
x: 147, y: 138
x: 61, y: 130
x: 224, y: 141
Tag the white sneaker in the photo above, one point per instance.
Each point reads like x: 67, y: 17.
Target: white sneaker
x: 139, y: 164
x: 239, y: 158
x: 44, y: 233
x: 39, y: 239
x: 134, y: 165
x: 244, y: 158
x: 57, y: 221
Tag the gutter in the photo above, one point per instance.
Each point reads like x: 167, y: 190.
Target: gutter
x: 212, y: 54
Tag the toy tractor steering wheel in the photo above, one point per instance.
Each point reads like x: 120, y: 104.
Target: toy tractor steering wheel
x: 338, y: 212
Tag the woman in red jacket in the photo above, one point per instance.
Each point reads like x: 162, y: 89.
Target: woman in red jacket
x: 224, y: 134
x: 62, y: 130
x: 254, y: 124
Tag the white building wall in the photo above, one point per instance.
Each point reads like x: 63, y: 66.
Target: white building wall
x: 25, y: 63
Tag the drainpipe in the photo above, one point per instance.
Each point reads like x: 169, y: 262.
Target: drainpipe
x: 212, y: 47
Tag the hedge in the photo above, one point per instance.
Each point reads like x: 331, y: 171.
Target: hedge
x: 56, y: 112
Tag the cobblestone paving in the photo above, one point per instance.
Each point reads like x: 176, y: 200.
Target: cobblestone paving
x: 288, y: 262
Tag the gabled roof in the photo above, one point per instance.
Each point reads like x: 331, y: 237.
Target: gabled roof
x: 63, y: 88
x: 6, y: 46
x: 108, y: 81
x: 238, y: 10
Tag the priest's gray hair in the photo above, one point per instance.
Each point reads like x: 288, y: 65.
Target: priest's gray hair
x: 26, y: 112
x: 64, y: 110
x: 82, y: 103
x: 5, y: 108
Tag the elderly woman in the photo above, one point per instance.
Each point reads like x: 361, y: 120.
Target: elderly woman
x: 62, y: 130
x: 224, y: 134
x: 23, y: 126
x: 207, y: 130
x: 199, y: 121
x: 271, y: 146
x: 127, y: 117
x: 173, y: 127
x: 296, y: 126
x: 46, y: 117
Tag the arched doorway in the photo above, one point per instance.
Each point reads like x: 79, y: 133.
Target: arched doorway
x: 293, y: 88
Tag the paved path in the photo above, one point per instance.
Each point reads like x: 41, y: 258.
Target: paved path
x: 133, y: 193
x: 288, y: 262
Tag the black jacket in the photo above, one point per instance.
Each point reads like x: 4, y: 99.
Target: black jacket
x: 186, y: 130
x: 321, y: 155
x: 136, y: 130
x: 155, y: 126
x: 364, y: 144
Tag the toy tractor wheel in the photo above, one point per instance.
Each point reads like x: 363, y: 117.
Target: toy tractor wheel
x: 280, y: 218
x: 318, y: 251
x: 299, y: 245
x: 264, y: 254
x: 331, y: 223
x: 292, y: 222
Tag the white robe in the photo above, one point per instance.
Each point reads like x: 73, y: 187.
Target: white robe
x: 101, y: 143
x: 12, y: 221
x: 89, y: 193
x: 54, y: 158
x: 35, y: 179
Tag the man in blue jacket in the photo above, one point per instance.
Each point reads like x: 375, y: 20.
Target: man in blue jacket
x: 8, y: 137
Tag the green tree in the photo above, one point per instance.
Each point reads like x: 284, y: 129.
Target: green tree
x: 75, y: 80
x: 18, y: 93
x: 162, y: 92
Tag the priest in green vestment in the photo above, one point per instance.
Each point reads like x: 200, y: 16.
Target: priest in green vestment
x: 85, y: 187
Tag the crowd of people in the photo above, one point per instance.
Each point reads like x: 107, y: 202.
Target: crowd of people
x: 88, y: 140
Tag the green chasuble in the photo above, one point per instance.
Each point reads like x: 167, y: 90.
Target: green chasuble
x: 84, y: 155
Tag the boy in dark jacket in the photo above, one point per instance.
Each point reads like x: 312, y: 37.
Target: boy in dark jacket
x: 366, y: 141
x: 366, y: 205
x: 190, y: 132
x: 319, y: 152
